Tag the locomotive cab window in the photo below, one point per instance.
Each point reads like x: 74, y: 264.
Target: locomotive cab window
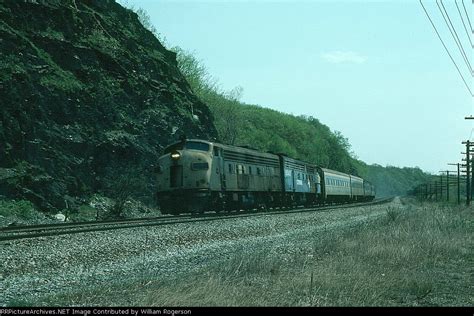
x: 197, y: 146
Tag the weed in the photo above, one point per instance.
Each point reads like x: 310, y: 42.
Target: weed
x: 22, y: 209
x: 392, y: 214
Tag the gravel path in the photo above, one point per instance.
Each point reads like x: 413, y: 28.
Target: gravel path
x: 33, y: 269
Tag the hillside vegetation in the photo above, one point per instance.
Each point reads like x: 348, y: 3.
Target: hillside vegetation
x: 303, y: 137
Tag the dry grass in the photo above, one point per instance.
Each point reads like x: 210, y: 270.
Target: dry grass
x: 416, y: 255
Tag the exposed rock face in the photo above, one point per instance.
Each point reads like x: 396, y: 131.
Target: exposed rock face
x: 86, y: 93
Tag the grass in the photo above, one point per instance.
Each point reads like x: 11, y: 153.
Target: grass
x: 415, y: 255
x: 19, y: 208
x: 410, y: 258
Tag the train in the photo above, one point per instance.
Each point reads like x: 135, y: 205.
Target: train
x: 195, y: 176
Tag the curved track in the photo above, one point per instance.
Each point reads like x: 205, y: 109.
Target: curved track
x: 35, y: 231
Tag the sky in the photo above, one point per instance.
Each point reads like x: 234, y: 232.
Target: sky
x: 373, y: 70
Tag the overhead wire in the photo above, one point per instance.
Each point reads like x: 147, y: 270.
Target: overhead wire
x: 464, y: 24
x: 454, y: 34
x: 447, y: 51
x: 467, y: 15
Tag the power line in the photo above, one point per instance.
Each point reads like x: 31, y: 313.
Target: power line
x: 467, y: 15
x: 429, y: 18
x: 454, y: 35
x: 464, y: 24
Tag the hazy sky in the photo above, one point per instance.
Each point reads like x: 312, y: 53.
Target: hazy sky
x: 373, y: 70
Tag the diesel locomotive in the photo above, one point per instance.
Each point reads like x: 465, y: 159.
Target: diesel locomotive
x: 195, y: 175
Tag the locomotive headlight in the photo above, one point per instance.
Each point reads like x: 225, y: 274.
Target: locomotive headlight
x: 175, y: 155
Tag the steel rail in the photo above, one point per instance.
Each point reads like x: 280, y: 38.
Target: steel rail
x: 83, y: 227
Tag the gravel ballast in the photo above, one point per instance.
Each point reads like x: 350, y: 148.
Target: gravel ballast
x: 36, y: 268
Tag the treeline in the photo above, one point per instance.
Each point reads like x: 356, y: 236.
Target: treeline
x: 391, y: 180
x: 302, y: 137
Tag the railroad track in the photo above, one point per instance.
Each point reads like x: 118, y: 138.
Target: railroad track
x: 35, y: 231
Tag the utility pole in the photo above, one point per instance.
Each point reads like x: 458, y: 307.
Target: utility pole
x: 459, y: 181
x: 447, y: 183
x: 469, y: 188
x: 468, y: 171
x: 441, y: 187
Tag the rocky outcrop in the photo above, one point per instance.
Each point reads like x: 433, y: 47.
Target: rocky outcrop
x: 86, y: 94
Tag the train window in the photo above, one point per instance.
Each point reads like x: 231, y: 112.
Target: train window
x: 231, y: 168
x: 259, y: 171
x: 250, y: 169
x: 216, y: 151
x: 299, y: 176
x: 240, y: 169
x: 197, y: 146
